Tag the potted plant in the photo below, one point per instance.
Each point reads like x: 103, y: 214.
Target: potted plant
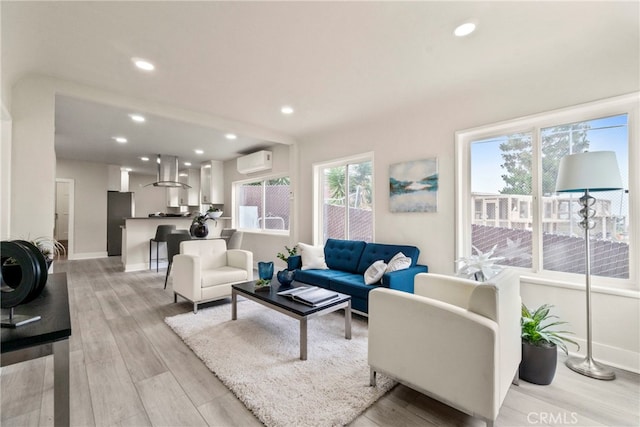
x: 481, y: 266
x: 49, y: 247
x: 540, y: 343
x: 291, y: 257
x: 199, y: 225
x: 214, y: 213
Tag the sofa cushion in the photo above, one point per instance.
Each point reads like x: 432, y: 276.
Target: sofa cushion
x: 222, y: 276
x: 374, y: 273
x: 343, y: 254
x: 353, y: 285
x: 375, y: 251
x: 312, y: 257
x: 320, y: 278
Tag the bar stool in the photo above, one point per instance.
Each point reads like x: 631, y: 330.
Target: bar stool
x: 173, y: 248
x: 161, y: 236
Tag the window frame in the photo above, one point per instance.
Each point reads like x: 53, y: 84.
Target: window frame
x: 263, y: 179
x: 464, y: 211
x: 318, y: 199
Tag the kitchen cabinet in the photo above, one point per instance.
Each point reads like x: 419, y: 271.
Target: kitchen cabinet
x: 189, y: 196
x: 177, y: 197
x: 173, y: 197
x: 212, y: 182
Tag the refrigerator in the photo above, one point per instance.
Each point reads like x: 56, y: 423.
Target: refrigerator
x: 120, y: 205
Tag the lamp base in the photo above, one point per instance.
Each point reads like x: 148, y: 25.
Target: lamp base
x: 590, y: 368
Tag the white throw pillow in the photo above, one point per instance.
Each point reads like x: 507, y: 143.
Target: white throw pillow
x: 312, y: 257
x: 398, y: 262
x: 374, y: 273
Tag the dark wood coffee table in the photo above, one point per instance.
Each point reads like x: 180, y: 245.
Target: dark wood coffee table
x: 287, y: 306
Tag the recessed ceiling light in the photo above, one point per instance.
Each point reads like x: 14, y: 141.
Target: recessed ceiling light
x: 230, y: 136
x: 120, y: 139
x: 137, y: 118
x: 183, y: 174
x: 144, y: 159
x: 465, y: 29
x: 187, y: 163
x: 198, y: 151
x: 143, y: 64
x: 286, y: 109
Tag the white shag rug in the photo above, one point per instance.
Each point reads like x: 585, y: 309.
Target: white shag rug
x: 258, y: 358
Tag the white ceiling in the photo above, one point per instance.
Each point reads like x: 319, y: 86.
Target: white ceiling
x: 334, y: 62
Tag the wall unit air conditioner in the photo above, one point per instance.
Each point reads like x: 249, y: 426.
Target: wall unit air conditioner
x: 255, y: 162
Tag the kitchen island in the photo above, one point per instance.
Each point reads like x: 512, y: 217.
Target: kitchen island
x: 137, y: 232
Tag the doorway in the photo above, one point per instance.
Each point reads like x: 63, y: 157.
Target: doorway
x: 63, y: 227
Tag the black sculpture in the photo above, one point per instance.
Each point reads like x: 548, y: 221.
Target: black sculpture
x: 23, y: 274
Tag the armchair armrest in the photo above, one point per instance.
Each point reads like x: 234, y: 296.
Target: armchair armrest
x: 239, y: 258
x: 416, y: 339
x: 187, y: 279
x: 402, y: 280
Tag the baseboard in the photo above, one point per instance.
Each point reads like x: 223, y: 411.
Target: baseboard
x: 88, y: 255
x: 144, y: 266
x: 612, y: 356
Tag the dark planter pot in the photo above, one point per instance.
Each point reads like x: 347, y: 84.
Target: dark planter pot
x: 294, y: 262
x: 199, y: 231
x: 538, y: 365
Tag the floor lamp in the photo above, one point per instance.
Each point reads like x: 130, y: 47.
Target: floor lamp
x: 585, y: 173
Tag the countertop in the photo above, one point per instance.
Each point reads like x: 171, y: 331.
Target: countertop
x: 170, y: 217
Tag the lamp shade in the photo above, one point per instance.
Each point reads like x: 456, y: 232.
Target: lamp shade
x: 593, y: 171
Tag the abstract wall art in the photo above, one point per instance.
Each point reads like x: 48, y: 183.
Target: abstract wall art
x: 413, y: 186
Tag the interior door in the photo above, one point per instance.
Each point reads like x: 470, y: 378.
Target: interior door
x: 61, y: 232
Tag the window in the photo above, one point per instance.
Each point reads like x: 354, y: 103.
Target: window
x: 344, y: 202
x: 263, y: 205
x: 516, y: 163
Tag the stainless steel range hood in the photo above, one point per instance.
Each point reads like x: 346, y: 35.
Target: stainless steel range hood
x: 168, y: 172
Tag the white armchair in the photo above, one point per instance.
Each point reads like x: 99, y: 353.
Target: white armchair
x: 455, y: 340
x: 205, y: 270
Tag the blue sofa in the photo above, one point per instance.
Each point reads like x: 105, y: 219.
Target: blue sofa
x: 349, y: 259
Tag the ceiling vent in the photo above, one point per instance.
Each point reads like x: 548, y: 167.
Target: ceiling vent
x: 255, y: 162
x: 168, y: 173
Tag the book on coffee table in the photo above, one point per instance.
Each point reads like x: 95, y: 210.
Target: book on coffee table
x: 312, y: 296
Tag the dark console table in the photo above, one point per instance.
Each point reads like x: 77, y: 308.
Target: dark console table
x: 44, y: 337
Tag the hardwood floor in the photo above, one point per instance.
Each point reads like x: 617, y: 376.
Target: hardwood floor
x: 129, y: 369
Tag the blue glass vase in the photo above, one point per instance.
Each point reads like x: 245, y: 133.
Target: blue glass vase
x: 265, y: 270
x: 285, y: 277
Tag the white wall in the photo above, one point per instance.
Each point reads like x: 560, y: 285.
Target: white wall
x: 33, y: 160
x: 5, y: 174
x: 147, y: 199
x: 264, y: 246
x: 90, y: 206
x: 427, y: 130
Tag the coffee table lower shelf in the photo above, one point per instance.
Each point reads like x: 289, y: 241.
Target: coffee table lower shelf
x: 302, y: 318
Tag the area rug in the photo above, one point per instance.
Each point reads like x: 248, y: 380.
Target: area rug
x: 257, y: 358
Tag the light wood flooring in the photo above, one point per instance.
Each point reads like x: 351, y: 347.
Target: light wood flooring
x: 129, y: 369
